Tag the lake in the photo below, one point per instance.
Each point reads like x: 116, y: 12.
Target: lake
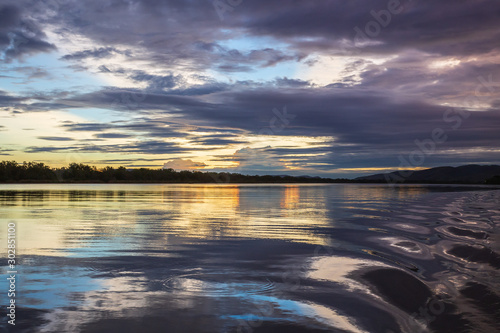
x: 251, y: 258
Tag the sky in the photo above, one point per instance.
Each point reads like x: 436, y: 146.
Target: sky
x: 324, y: 88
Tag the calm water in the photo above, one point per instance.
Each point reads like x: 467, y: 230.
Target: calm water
x: 253, y: 258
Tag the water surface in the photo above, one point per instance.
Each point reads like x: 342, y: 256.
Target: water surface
x: 253, y: 258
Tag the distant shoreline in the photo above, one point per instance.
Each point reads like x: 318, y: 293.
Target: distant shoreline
x: 236, y: 183
x: 12, y: 172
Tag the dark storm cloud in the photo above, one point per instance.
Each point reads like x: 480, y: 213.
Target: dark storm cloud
x: 445, y: 27
x: 97, y: 53
x: 86, y: 127
x: 233, y: 60
x: 203, y: 89
x: 292, y: 151
x: 441, y: 53
x: 19, y: 35
x: 142, y: 127
x: 157, y: 82
x: 48, y: 149
x: 104, y: 69
x: 159, y: 27
x: 211, y: 87
x: 30, y: 72
x: 33, y: 101
x: 113, y: 135
x: 131, y: 100
x: 154, y: 128
x: 335, y: 158
x: 216, y: 141
x: 393, y: 159
x: 264, y: 58
x: 352, y: 117
x: 142, y: 147
x: 294, y: 83
x: 5, y: 152
x: 361, y: 122
x: 138, y: 147
x: 42, y: 106
x: 165, y: 83
x: 413, y: 74
x: 55, y: 138
x: 7, y: 99
x: 234, y: 68
x: 129, y: 161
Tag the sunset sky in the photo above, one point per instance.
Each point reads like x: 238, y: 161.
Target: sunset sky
x: 331, y: 88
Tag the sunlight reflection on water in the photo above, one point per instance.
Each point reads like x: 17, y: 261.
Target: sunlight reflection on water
x: 259, y: 258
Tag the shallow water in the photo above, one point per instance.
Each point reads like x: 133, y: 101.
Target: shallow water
x: 253, y: 258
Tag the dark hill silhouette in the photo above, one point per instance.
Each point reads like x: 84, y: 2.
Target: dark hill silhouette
x: 473, y: 174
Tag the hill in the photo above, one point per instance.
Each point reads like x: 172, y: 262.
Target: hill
x: 468, y: 174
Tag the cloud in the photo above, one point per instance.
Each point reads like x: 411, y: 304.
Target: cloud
x: 446, y: 27
x: 180, y: 164
x: 214, y: 85
x: 258, y: 161
x: 33, y: 72
x: 360, y: 121
x: 217, y: 140
x: 157, y: 82
x: 286, y: 82
x: 112, y: 135
x: 146, y: 126
x: 6, y: 152
x: 144, y: 147
x: 20, y: 36
x: 97, y: 53
x: 55, y: 138
x: 7, y: 99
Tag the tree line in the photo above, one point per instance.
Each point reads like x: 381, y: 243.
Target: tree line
x: 11, y: 171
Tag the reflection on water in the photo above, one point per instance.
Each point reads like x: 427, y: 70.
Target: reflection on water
x: 254, y: 258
